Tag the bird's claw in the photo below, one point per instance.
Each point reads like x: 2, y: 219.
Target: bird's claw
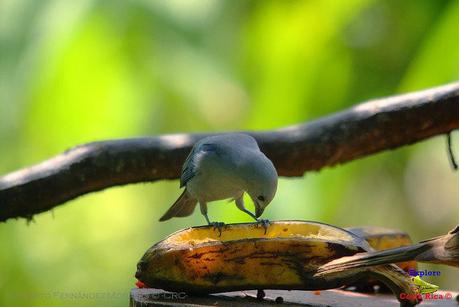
x: 265, y: 223
x: 260, y: 295
x: 217, y: 225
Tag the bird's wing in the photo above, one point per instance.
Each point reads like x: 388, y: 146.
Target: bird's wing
x: 191, y: 162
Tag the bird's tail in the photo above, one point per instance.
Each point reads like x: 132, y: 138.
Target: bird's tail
x: 367, y: 259
x: 183, y: 206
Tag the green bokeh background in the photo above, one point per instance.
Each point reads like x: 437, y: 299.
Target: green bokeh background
x: 79, y: 71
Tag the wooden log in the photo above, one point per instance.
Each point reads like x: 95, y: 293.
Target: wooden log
x: 154, y: 297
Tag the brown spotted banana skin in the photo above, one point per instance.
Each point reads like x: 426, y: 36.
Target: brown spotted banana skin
x: 196, y: 260
x: 381, y: 238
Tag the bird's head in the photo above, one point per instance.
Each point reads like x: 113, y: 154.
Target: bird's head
x: 261, y: 183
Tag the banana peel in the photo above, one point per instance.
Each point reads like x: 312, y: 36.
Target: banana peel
x: 442, y: 250
x: 381, y: 238
x: 286, y: 255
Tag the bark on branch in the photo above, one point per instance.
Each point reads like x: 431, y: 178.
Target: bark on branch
x: 341, y: 137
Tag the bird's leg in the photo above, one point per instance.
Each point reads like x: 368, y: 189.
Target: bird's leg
x: 265, y: 223
x: 216, y: 225
x: 207, y: 219
x: 203, y: 207
x: 240, y: 204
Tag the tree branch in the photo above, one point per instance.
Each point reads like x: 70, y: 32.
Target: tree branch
x: 357, y: 132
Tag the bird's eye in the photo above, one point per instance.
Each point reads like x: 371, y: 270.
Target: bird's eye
x: 261, y: 198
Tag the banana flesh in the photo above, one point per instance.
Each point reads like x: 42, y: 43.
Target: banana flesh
x: 243, y: 257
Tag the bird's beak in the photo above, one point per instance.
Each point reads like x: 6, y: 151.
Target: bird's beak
x: 258, y: 211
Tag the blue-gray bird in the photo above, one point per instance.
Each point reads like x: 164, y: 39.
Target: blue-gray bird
x: 224, y: 167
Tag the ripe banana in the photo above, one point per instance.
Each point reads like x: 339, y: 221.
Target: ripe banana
x: 443, y: 250
x: 381, y: 238
x: 243, y: 257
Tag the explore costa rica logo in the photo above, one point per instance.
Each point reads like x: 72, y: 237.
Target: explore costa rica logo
x: 413, y: 272
x: 423, y: 286
x: 427, y: 296
x: 426, y: 291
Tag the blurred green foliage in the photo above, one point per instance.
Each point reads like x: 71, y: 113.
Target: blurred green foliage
x: 79, y: 71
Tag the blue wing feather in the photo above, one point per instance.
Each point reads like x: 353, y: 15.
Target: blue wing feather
x: 190, y: 165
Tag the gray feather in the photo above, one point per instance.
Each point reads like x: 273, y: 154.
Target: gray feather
x: 183, y: 206
x: 190, y: 166
x: 221, y: 167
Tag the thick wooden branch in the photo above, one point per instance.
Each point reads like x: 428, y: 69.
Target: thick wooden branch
x: 357, y: 132
x: 149, y: 297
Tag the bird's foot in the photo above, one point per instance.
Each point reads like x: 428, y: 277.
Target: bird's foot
x: 260, y: 295
x: 265, y: 223
x: 219, y: 226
